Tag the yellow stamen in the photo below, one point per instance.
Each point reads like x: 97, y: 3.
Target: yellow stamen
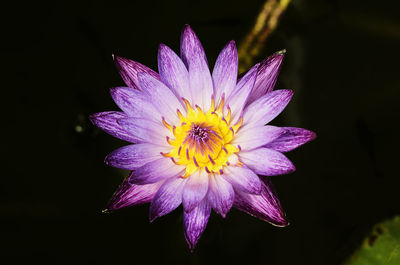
x: 187, y: 104
x: 237, y: 125
x: 202, y: 139
x: 221, y: 104
x: 228, y: 117
x: 181, y: 117
x: 166, y: 124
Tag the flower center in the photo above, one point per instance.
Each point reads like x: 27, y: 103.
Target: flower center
x: 202, y: 139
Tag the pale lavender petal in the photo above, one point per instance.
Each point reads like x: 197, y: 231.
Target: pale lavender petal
x: 173, y: 72
x: 237, y: 99
x: 107, y: 121
x: 257, y: 136
x: 266, y: 108
x: 265, y: 206
x: 291, y: 139
x: 195, y: 190
x: 195, y: 223
x: 133, y: 156
x: 267, y: 162
x: 131, y: 194
x: 155, y: 171
x: 193, y: 56
x: 267, y: 75
x: 225, y: 70
x: 220, y: 195
x: 243, y: 179
x: 161, y: 97
x: 128, y: 69
x: 135, y: 103
x: 167, y: 198
x: 145, y: 131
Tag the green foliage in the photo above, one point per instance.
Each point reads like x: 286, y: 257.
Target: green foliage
x: 381, y: 246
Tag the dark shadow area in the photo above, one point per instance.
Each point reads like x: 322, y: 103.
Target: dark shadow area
x: 342, y: 63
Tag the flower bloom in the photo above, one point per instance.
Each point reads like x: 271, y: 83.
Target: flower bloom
x: 200, y: 139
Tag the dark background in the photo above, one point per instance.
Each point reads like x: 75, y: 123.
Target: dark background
x: 342, y: 63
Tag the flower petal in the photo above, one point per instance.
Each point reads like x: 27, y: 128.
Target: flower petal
x: 128, y: 69
x: 267, y: 162
x: 195, y: 223
x: 238, y: 98
x: 220, y: 195
x: 267, y: 75
x: 135, y: 103
x: 167, y: 198
x: 193, y: 56
x: 173, y: 72
x: 265, y: 206
x: 133, y: 156
x: 195, y: 190
x: 145, y: 131
x: 161, y: 97
x: 225, y: 70
x: 107, y: 121
x: 155, y: 171
x: 242, y: 179
x: 257, y: 136
x: 131, y: 194
x: 266, y: 108
x: 291, y: 139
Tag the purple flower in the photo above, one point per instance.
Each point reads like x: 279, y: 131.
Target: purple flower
x: 198, y: 138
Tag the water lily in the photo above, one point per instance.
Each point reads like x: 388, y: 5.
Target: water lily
x: 200, y: 139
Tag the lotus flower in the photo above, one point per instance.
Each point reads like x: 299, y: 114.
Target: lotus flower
x: 200, y: 139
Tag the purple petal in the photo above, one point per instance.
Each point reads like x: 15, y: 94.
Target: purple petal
x: 131, y: 194
x: 220, y: 195
x: 241, y: 92
x: 267, y: 162
x: 135, y: 103
x: 195, y: 223
x: 257, y: 136
x: 193, y: 56
x: 167, y: 198
x: 243, y: 179
x: 155, y: 171
x: 145, y: 131
x: 291, y: 139
x: 195, y: 190
x: 266, y: 108
x: 173, y: 72
x: 265, y: 206
x: 107, y: 121
x: 225, y: 70
x: 161, y: 97
x: 129, y: 69
x: 133, y: 156
x: 266, y: 76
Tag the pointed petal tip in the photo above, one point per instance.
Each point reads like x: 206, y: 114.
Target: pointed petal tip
x: 191, y: 245
x: 281, y: 223
x: 161, y: 47
x: 186, y: 27
x: 152, y: 218
x: 231, y: 44
x: 281, y: 52
x: 92, y: 118
x: 313, y: 135
x: 117, y: 59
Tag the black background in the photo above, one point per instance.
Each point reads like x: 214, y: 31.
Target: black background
x: 342, y: 63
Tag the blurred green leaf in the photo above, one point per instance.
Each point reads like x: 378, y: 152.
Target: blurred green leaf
x: 381, y: 246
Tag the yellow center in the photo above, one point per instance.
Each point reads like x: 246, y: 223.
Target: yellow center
x: 202, y: 140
